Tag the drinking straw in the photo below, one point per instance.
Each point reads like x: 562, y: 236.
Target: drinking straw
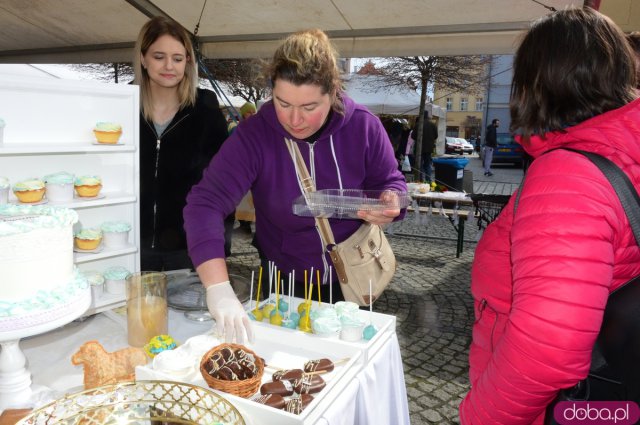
x: 251, y: 290
x: 289, y: 310
x: 318, y: 279
x: 259, y: 287
x: 330, y: 286
x: 270, y: 279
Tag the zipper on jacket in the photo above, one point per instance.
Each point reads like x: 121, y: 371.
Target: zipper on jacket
x: 483, y: 305
x: 155, y: 173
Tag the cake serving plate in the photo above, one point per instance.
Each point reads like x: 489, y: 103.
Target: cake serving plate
x: 141, y: 402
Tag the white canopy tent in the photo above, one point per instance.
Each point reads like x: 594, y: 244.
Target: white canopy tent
x: 368, y: 91
x: 89, y: 31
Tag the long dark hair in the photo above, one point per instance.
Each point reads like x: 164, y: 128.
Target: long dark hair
x: 570, y: 66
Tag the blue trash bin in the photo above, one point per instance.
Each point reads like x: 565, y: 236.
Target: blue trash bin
x: 449, y: 171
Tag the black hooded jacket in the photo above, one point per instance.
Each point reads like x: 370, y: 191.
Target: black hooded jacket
x: 180, y: 154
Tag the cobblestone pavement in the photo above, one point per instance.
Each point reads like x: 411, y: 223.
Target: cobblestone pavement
x: 431, y: 300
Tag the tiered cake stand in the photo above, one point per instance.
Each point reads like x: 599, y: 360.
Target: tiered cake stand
x: 15, y: 378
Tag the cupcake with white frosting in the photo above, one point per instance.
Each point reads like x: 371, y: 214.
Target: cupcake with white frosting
x: 115, y: 234
x: 59, y: 186
x: 115, y: 280
x: 4, y: 190
x: 96, y: 282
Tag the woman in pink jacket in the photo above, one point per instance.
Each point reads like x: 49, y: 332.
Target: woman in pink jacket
x: 541, y: 276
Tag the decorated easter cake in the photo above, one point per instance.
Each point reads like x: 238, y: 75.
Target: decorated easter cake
x: 36, y: 261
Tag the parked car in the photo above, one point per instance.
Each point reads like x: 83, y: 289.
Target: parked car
x: 457, y: 145
x: 467, y: 147
x: 508, y: 151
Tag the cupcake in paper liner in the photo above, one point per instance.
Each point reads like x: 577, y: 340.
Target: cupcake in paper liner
x: 115, y: 233
x: 59, y: 186
x: 115, y: 279
x: 4, y: 190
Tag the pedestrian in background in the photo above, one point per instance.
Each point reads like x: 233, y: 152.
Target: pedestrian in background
x: 181, y: 129
x: 490, y: 144
x: 543, y: 271
x: 429, y: 137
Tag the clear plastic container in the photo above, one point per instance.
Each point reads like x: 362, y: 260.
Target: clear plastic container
x: 345, y: 203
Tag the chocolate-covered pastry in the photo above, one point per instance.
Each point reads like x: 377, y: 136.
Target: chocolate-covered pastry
x: 273, y: 400
x: 225, y: 374
x: 296, y: 405
x: 283, y: 388
x: 237, y: 369
x: 287, y: 374
x: 227, y: 354
x: 249, y: 365
x: 325, y: 365
x: 309, y: 384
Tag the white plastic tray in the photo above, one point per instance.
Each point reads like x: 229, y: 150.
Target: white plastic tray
x: 386, y: 325
x: 345, y: 203
x: 290, y: 349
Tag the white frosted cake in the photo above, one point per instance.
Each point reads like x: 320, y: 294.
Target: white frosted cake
x: 37, y: 273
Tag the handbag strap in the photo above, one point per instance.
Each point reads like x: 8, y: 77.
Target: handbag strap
x: 308, y: 186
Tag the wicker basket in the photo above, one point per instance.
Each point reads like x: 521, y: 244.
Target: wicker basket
x: 244, y: 388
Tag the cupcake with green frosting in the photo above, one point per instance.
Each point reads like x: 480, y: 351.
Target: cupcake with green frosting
x: 115, y: 233
x: 29, y: 191
x: 59, y: 186
x: 115, y: 279
x: 88, y: 239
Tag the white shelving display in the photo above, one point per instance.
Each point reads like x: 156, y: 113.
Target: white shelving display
x: 49, y: 128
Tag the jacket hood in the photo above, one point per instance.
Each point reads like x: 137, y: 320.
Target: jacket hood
x: 615, y: 130
x: 338, y: 120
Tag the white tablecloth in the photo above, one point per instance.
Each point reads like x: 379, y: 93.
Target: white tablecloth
x: 376, y: 395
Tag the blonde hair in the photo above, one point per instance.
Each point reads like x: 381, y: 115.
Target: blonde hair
x: 149, y: 33
x: 308, y: 57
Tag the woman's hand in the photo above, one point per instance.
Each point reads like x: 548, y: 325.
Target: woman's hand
x: 385, y: 216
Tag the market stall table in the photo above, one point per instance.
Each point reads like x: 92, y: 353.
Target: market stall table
x: 447, y: 204
x: 375, y: 394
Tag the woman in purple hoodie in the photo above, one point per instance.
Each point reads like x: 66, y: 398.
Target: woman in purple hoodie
x: 344, y: 147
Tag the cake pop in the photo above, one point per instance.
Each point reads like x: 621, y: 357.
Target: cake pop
x: 256, y: 313
x: 305, y: 320
x: 276, y: 318
x: 288, y: 321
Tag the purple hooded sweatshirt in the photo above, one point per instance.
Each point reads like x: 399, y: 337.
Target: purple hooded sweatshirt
x: 353, y: 152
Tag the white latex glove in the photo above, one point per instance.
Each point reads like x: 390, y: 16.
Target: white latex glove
x: 231, y: 319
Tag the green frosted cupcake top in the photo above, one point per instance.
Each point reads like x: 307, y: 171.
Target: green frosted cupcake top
x: 61, y: 177
x: 28, y: 184
x: 108, y: 126
x: 115, y: 226
x: 87, y: 180
x: 89, y: 234
x: 116, y: 273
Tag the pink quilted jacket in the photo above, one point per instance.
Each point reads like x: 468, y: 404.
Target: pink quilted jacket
x: 540, y: 281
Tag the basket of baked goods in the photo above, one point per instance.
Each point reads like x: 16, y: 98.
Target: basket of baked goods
x: 232, y: 368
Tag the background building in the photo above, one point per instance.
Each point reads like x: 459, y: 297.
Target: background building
x: 498, y: 92
x: 464, y: 112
